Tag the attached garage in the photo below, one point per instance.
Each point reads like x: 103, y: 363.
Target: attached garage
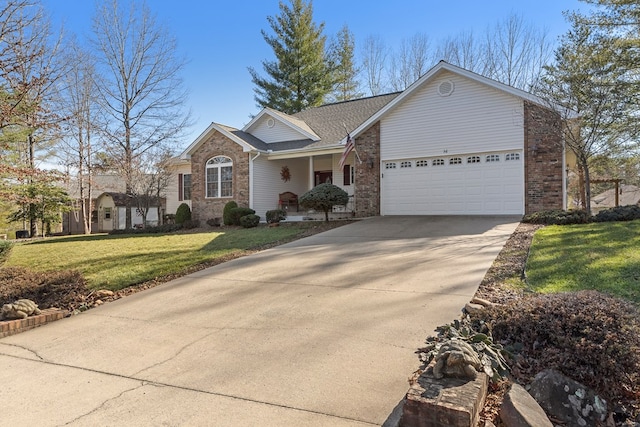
x: 471, y: 184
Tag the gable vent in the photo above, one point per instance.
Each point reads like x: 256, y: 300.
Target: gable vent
x: 270, y: 122
x: 445, y: 88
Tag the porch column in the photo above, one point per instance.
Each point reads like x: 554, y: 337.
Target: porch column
x: 311, y: 173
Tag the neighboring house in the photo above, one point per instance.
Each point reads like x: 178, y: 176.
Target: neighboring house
x: 108, y: 207
x: 453, y: 143
x: 627, y: 195
x: 72, y: 222
x: 111, y: 212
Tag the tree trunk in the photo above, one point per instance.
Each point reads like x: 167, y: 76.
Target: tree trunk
x: 587, y: 187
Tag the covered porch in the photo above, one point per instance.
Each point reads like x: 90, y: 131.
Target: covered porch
x: 273, y: 174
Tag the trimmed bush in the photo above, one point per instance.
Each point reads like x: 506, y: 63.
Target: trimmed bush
x: 226, y: 212
x: 5, y: 250
x: 183, y: 213
x: 276, y: 216
x: 557, y: 217
x: 324, y: 197
x: 237, y: 213
x: 250, y: 221
x: 620, y: 213
x: 160, y: 229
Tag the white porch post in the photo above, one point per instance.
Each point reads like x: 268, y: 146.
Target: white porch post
x: 311, y: 175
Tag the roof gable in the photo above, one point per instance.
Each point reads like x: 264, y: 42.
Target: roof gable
x: 432, y: 74
x: 247, y: 141
x: 273, y: 126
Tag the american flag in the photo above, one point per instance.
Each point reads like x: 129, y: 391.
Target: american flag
x: 348, y: 148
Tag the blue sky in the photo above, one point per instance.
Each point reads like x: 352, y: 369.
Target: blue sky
x: 221, y: 38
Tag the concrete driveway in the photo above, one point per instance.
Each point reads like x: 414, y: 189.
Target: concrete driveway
x: 319, y: 332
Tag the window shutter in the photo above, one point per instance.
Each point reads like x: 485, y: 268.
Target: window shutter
x: 180, y: 195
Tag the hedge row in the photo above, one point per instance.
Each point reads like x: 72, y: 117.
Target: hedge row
x: 559, y: 217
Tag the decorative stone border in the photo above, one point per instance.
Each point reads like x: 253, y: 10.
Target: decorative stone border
x: 446, y: 402
x: 12, y: 327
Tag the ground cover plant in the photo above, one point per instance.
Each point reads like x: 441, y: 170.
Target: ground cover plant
x: 116, y: 261
x: 600, y: 256
x: 589, y: 335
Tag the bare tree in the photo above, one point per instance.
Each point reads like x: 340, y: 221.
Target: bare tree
x: 140, y: 87
x: 152, y: 178
x: 516, y: 52
x: 464, y: 51
x: 374, y: 56
x: 78, y: 104
x: 410, y: 63
x: 591, y: 97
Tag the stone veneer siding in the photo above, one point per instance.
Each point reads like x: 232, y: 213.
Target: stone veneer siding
x: 544, y: 167
x: 367, y: 179
x: 217, y: 144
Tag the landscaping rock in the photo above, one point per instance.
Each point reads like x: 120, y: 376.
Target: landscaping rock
x: 482, y: 302
x: 568, y: 400
x: 102, y: 293
x: 473, y: 308
x: 519, y: 409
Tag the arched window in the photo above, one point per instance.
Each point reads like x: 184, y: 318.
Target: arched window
x: 219, y: 177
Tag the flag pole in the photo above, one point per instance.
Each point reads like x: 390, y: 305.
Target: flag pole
x: 354, y: 143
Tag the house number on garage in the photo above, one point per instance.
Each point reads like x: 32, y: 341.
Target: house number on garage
x: 445, y: 151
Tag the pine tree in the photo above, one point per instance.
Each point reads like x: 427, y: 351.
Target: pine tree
x: 300, y: 76
x: 341, y: 53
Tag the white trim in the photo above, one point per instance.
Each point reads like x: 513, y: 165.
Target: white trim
x: 251, y: 178
x: 300, y: 127
x: 186, y: 154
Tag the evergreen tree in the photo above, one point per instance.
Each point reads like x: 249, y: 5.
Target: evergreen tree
x: 300, y: 76
x: 341, y: 54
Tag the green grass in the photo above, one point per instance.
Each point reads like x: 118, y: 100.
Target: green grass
x: 115, y: 262
x: 600, y: 256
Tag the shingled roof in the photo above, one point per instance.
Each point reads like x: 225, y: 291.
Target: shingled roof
x: 329, y: 121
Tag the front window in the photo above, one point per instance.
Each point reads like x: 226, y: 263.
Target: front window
x: 219, y: 177
x: 184, y: 186
x: 107, y: 213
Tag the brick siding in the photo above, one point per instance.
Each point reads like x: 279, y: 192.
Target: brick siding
x: 367, y: 179
x: 543, y: 166
x: 218, y: 145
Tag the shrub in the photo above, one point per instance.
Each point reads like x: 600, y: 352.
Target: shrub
x: 190, y: 224
x: 183, y: 213
x: 276, y: 216
x: 165, y: 228
x: 324, y: 197
x: 5, y: 250
x: 557, y: 217
x: 62, y: 289
x: 588, y: 336
x: 620, y: 213
x: 250, y: 221
x: 237, y: 213
x: 226, y: 212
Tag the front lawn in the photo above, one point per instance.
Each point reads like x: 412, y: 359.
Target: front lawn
x: 600, y: 256
x: 115, y: 262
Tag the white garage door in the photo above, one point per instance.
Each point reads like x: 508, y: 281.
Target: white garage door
x: 473, y: 184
